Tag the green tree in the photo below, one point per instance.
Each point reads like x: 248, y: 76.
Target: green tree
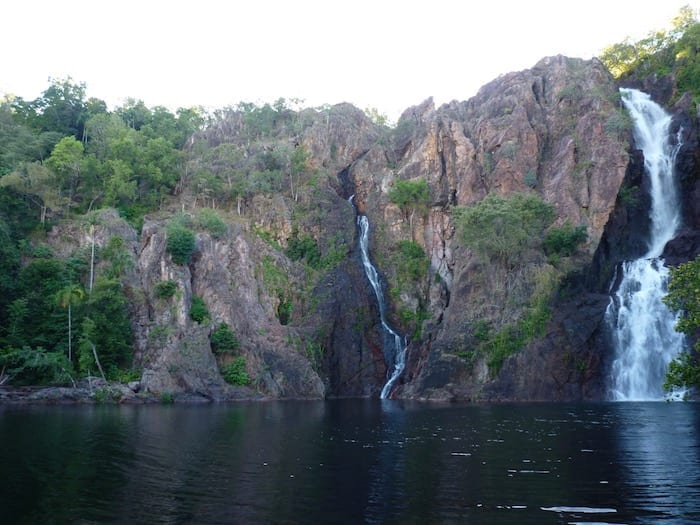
x: 9, y: 269
x: 61, y: 108
x: 66, y: 298
x: 684, y: 297
x: 106, y: 330
x: 304, y: 247
x: 564, y: 240
x: 299, y: 166
x: 662, y: 52
x: 223, y: 340
x: 210, y: 221
x: 180, y: 243
x: 220, y: 173
x: 120, y: 188
x: 235, y: 373
x: 412, y: 263
x: 20, y: 143
x: 380, y: 119
x: 66, y: 161
x: 34, y: 366
x: 39, y: 185
x: 134, y: 113
x: 412, y: 197
x: 503, y: 228
x: 120, y: 259
x: 198, y: 310
x: 39, y: 282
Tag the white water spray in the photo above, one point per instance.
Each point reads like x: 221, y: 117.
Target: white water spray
x: 394, y: 344
x: 644, y: 336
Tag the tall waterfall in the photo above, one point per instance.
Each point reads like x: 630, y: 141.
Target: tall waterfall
x: 394, y: 344
x: 642, y: 326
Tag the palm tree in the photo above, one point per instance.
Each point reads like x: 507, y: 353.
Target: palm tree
x: 65, y: 298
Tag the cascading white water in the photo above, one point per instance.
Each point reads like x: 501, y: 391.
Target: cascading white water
x: 642, y: 326
x: 394, y: 344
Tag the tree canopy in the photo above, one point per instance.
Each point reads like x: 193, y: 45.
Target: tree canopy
x: 502, y: 228
x: 684, y: 297
x: 674, y: 51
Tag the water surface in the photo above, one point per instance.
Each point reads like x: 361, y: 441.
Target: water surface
x: 351, y: 461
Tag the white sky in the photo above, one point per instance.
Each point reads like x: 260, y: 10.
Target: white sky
x: 373, y: 53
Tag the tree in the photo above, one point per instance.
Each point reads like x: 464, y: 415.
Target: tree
x: 120, y: 258
x: 66, y: 161
x: 106, y: 328
x: 564, y: 240
x: 684, y: 297
x: 411, y: 197
x: 39, y: 184
x: 502, y: 228
x: 134, y: 113
x: 660, y: 53
x: 223, y: 340
x: 380, y: 119
x: 39, y: 283
x: 18, y: 142
x: 61, y: 108
x: 66, y: 298
x: 181, y: 242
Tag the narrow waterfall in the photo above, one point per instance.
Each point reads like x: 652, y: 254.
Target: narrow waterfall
x: 393, y: 343
x: 642, y: 326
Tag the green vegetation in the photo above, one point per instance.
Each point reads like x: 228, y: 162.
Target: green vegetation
x: 210, y: 221
x: 304, y: 248
x: 675, y: 51
x: 277, y: 283
x: 412, y: 262
x: 66, y: 156
x: 513, y: 337
x: 34, y: 366
x: 618, y: 123
x: 512, y: 235
x: 167, y: 398
x: 53, y: 326
x: 314, y: 353
x: 181, y: 242
x: 198, y: 310
x: 501, y: 229
x: 564, y: 240
x: 165, y: 289
x: 106, y: 337
x: 223, y: 340
x: 684, y: 297
x: 235, y: 373
x: 411, y: 196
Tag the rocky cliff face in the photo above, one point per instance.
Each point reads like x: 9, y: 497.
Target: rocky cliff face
x: 556, y: 131
x: 553, y: 130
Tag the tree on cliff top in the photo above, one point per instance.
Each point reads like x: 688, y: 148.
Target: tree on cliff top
x: 660, y: 53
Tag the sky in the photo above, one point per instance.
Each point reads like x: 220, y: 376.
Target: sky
x: 383, y: 54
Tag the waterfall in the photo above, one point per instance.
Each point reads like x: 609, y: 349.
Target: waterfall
x: 642, y: 327
x: 394, y: 344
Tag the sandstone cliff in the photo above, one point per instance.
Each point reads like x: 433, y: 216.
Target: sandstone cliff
x: 310, y: 328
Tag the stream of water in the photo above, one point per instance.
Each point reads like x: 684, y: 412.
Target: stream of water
x: 394, y: 343
x: 642, y: 327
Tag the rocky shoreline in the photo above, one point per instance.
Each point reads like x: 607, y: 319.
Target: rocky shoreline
x: 98, y: 391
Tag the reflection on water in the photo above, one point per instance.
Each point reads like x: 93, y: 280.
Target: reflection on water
x: 354, y: 461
